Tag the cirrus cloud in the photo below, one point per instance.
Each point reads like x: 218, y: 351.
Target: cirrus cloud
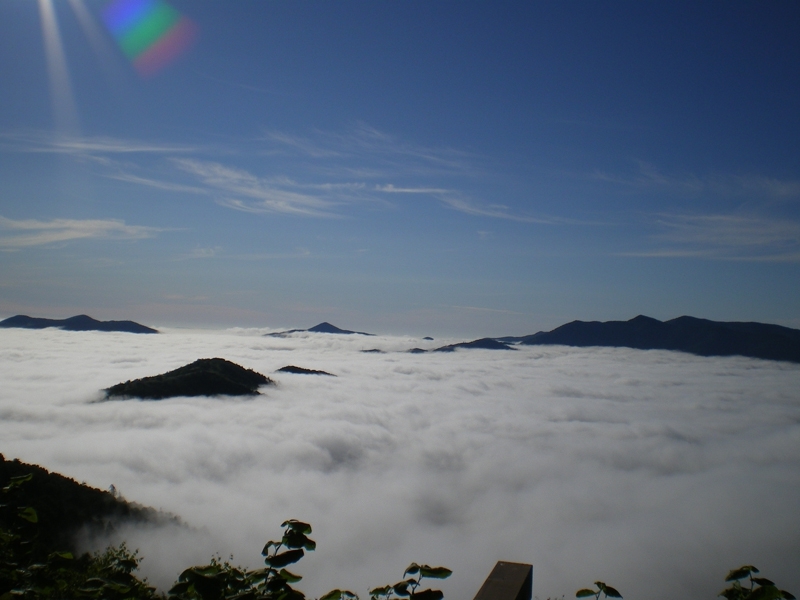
x: 33, y: 232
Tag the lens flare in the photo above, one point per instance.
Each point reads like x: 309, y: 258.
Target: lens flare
x: 150, y: 33
x: 65, y: 112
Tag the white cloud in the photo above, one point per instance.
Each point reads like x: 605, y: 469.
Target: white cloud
x: 79, y: 145
x: 654, y: 471
x: 391, y: 189
x: 43, y: 233
x: 495, y: 211
x: 265, y: 195
x: 161, y: 185
x: 727, y: 237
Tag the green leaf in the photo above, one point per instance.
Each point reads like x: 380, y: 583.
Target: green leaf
x: 179, y: 588
x: 65, y: 555
x: 297, y: 526
x: 6, y: 537
x: 611, y: 592
x: 381, y: 591
x: 766, y: 592
x: 585, y: 593
x: 340, y: 595
x: 787, y: 595
x: 289, y: 577
x: 29, y: 514
x: 293, y: 539
x: 732, y: 593
x: 269, y: 546
x: 206, y: 571
x: 401, y: 589
x: 435, y: 572
x: 17, y: 481
x: 762, y: 581
x: 740, y: 573
x: 284, y: 558
x: 412, y: 569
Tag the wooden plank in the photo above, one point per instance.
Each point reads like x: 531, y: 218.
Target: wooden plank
x: 508, y: 581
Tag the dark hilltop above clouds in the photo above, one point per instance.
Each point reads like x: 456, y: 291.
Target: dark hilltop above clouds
x: 203, y: 377
x: 323, y: 327
x: 303, y: 371
x: 77, y: 323
x: 483, y: 343
x: 684, y: 334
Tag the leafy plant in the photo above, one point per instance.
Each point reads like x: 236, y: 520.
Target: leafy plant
x: 409, y: 588
x: 27, y: 571
x: 223, y: 581
x: 759, y: 588
x: 602, y: 588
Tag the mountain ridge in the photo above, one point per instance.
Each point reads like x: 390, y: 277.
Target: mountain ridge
x: 323, y: 327
x: 76, y: 323
x: 701, y: 337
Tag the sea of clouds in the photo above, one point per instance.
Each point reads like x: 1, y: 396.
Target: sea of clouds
x: 654, y: 471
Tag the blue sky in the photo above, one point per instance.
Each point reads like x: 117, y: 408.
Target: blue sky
x: 461, y: 168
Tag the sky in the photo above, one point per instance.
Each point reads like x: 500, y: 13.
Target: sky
x: 654, y: 471
x: 423, y: 168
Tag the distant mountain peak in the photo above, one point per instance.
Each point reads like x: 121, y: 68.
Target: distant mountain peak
x: 323, y: 327
x: 76, y: 323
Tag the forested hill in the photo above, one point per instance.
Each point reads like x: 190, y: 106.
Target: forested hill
x: 64, y: 506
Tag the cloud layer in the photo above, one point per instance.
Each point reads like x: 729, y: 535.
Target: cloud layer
x: 654, y: 471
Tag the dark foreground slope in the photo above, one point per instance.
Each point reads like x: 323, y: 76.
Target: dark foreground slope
x: 64, y: 507
x: 684, y: 334
x: 77, y: 323
x: 203, y: 377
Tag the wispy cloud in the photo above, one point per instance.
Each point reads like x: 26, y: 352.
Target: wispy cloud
x: 648, y: 176
x: 495, y: 211
x: 31, y: 232
x: 728, y: 237
x: 263, y: 195
x: 385, y: 152
x: 41, y: 142
x: 391, y: 189
x: 328, y: 171
x: 161, y: 185
x: 211, y: 252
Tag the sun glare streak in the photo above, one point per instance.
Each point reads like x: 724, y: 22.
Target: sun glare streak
x: 65, y: 111
x: 99, y: 42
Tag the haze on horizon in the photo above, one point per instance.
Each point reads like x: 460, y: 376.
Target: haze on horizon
x: 418, y: 168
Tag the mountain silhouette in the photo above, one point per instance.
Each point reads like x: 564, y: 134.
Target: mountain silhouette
x: 685, y: 334
x: 323, y: 327
x: 77, y: 323
x: 303, y: 371
x: 203, y: 377
x: 483, y: 343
